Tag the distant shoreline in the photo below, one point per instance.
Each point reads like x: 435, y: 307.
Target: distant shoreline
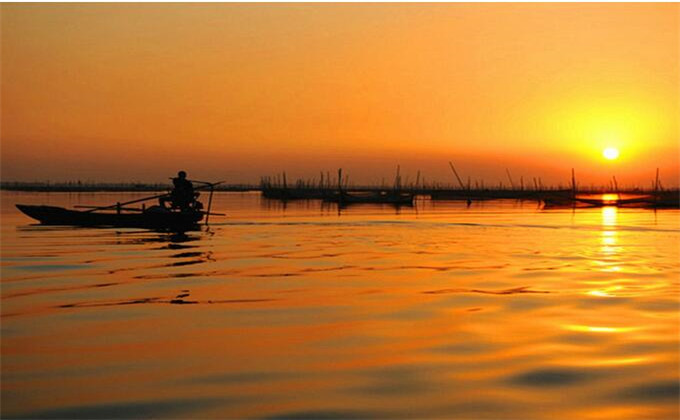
x: 106, y: 187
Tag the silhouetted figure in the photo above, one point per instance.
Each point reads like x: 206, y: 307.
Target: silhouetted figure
x: 182, y: 195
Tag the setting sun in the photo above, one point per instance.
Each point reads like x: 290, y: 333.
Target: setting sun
x: 610, y: 153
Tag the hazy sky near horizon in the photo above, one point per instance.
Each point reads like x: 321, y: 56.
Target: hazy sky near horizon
x: 235, y: 91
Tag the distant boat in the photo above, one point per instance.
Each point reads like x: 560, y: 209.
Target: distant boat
x: 382, y: 197
x: 619, y: 202
x: 661, y: 199
x: 283, y: 193
x: 666, y: 199
x: 497, y: 194
x: 154, y: 217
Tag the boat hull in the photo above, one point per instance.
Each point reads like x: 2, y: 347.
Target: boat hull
x: 166, y: 220
x: 395, y: 199
x: 294, y: 194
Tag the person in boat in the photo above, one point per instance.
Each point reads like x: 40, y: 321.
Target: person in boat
x: 182, y: 195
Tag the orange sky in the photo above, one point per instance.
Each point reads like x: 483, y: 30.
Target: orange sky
x: 235, y: 91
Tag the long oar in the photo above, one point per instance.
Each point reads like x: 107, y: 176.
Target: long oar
x: 96, y: 207
x: 139, y: 200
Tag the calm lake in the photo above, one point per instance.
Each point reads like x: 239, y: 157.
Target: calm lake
x: 497, y: 311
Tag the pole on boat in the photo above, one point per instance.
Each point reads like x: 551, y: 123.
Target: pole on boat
x: 616, y: 184
x: 397, y: 180
x: 207, y: 215
x: 656, y: 181
x: 573, y: 183
x: 339, y: 189
x: 656, y: 187
x: 512, y: 184
x: 460, y: 182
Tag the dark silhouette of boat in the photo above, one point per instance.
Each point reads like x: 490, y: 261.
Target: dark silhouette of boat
x: 179, y: 217
x: 395, y: 198
x: 498, y: 194
x: 666, y: 199
x: 154, y: 217
x: 283, y: 193
x: 660, y: 199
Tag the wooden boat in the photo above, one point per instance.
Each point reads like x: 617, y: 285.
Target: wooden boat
x: 620, y: 202
x: 154, y: 217
x: 278, y: 193
x: 394, y: 198
x: 666, y: 199
x: 663, y: 199
x: 118, y: 215
x: 496, y: 194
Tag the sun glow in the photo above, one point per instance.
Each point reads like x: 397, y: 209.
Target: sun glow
x: 592, y: 329
x: 610, y: 153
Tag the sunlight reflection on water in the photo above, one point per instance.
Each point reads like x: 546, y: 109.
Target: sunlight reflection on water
x: 499, y: 310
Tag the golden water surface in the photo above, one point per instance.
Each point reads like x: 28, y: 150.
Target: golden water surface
x: 499, y: 311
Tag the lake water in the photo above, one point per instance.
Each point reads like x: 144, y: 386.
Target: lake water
x: 497, y: 311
